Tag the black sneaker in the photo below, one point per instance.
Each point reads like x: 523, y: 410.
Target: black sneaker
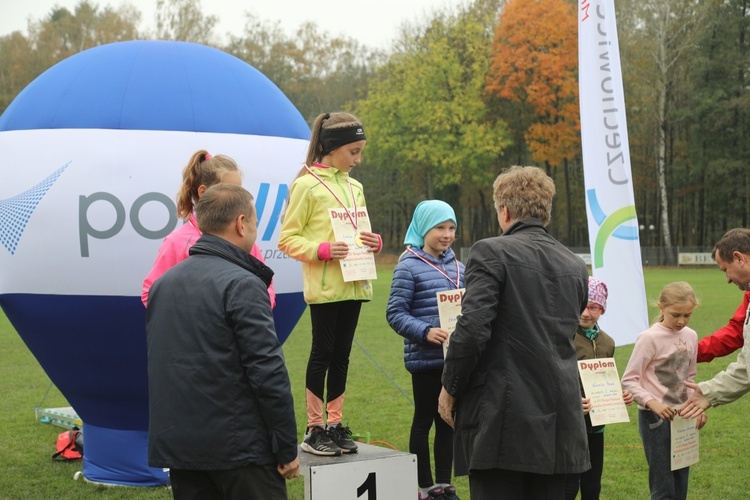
x: 318, y: 442
x: 435, y: 493
x: 340, y: 435
x: 449, y: 493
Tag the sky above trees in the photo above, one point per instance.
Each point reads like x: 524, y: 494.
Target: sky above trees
x: 475, y: 88
x: 374, y: 24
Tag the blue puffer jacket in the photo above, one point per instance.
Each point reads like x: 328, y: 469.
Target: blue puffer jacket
x: 412, y: 306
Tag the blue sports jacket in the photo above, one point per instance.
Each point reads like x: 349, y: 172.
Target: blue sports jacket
x: 412, y: 306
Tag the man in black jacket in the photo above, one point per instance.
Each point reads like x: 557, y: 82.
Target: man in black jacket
x: 220, y: 403
x: 510, y: 378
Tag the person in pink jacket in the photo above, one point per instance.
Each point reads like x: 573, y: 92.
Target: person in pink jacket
x: 663, y: 359
x: 202, y: 171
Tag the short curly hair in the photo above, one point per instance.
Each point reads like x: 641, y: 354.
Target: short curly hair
x: 525, y: 192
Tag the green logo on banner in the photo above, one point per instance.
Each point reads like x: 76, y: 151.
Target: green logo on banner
x: 610, y: 225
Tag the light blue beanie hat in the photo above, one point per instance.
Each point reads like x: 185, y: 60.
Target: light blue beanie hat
x: 428, y: 214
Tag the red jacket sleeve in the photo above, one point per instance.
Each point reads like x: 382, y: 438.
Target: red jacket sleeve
x: 726, y: 339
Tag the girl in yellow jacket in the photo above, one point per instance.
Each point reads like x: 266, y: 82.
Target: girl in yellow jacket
x: 307, y: 235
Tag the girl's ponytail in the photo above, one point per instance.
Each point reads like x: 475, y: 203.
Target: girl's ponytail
x: 202, y: 170
x: 315, y: 149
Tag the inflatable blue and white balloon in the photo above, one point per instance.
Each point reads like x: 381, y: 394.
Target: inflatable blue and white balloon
x: 93, y: 151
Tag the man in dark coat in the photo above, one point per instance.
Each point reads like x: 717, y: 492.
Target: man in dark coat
x: 510, y: 379
x: 220, y: 403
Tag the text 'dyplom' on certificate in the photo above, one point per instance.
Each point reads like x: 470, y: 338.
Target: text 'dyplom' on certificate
x: 601, y: 384
x: 359, y: 264
x: 449, y: 309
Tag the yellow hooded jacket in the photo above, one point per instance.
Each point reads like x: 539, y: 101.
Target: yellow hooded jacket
x: 307, y: 224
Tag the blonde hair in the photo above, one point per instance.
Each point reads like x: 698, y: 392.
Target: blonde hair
x: 202, y: 170
x: 525, y: 192
x: 679, y: 292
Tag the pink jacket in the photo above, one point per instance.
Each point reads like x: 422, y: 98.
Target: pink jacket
x: 175, y: 249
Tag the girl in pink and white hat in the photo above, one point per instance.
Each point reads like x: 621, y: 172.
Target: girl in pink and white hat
x: 592, y: 342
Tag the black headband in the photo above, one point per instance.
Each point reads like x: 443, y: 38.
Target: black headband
x: 332, y: 138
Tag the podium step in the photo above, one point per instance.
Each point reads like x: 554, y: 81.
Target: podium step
x: 371, y: 474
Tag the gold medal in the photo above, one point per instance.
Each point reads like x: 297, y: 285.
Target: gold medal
x: 358, y: 240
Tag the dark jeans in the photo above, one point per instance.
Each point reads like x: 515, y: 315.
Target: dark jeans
x: 589, y: 482
x: 492, y: 484
x: 426, y: 388
x: 662, y: 481
x: 254, y: 482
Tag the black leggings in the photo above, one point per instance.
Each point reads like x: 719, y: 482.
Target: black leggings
x: 426, y: 387
x: 333, y: 327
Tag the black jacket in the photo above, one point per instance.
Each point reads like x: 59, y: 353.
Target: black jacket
x: 511, y: 363
x: 219, y: 392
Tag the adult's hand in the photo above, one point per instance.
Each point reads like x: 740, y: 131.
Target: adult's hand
x: 696, y: 404
x: 290, y: 470
x: 446, y: 406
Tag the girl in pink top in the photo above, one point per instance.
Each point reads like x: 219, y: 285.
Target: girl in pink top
x: 201, y: 172
x: 663, y: 358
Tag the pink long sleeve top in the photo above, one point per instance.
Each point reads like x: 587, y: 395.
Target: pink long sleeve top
x: 175, y: 249
x: 661, y: 361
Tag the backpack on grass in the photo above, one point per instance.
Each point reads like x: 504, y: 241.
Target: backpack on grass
x: 69, y: 445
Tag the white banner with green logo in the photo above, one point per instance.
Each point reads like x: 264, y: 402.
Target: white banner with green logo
x: 610, y: 204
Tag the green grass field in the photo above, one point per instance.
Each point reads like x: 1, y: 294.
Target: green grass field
x: 375, y: 405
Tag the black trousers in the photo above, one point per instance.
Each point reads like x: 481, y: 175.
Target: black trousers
x: 333, y: 327
x: 492, y: 484
x: 254, y: 482
x: 426, y: 388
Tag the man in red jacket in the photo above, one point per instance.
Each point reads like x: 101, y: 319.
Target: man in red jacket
x: 726, y: 339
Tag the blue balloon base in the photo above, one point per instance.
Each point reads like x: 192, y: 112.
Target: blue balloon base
x: 118, y: 457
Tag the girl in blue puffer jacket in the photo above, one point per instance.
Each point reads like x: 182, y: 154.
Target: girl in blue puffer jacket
x: 426, y: 267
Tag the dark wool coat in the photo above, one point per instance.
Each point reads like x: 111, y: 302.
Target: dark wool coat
x: 412, y: 306
x: 511, y: 362
x: 219, y: 392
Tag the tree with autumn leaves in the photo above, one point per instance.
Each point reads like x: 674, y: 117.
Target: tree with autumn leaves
x: 433, y: 135
x: 534, y: 69
x: 534, y: 63
x: 468, y: 91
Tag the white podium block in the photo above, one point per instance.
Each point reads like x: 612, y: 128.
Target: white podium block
x: 374, y: 473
